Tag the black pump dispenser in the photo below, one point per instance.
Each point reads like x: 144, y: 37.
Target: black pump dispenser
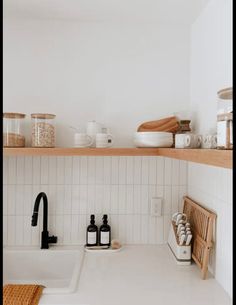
x: 92, y: 233
x: 105, y: 233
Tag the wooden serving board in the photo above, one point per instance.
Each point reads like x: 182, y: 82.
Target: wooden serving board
x: 169, y: 124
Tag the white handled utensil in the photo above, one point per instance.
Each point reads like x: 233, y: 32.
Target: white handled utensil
x: 182, y: 239
x: 180, y: 226
x: 188, y: 239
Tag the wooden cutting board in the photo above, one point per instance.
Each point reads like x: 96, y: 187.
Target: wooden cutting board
x: 169, y: 124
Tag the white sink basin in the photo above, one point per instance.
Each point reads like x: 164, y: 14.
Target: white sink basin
x: 57, y: 269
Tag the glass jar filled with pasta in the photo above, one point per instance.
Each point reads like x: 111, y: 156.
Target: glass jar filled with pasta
x: 43, y: 130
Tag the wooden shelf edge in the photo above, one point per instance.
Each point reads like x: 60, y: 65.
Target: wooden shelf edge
x: 214, y: 157
x: 72, y: 151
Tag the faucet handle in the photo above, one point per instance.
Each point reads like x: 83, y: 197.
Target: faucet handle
x: 52, y: 239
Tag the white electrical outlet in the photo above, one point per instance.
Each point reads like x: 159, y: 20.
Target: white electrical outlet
x: 156, y: 206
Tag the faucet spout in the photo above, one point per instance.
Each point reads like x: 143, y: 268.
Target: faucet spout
x: 46, y: 239
x: 34, y: 220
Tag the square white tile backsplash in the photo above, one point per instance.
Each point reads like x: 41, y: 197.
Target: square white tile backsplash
x: 121, y: 187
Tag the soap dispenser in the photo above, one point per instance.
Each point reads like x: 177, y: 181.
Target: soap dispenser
x: 92, y: 233
x: 105, y: 233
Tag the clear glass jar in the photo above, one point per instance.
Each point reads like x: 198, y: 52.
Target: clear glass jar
x: 224, y: 101
x: 43, y: 130
x: 13, y: 129
x: 225, y: 118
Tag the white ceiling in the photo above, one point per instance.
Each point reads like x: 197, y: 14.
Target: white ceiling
x: 163, y: 11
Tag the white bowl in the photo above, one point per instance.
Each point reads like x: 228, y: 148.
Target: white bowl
x: 153, y: 134
x: 153, y: 139
x: 153, y: 142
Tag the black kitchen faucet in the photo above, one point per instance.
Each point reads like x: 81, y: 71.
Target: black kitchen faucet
x: 45, y: 238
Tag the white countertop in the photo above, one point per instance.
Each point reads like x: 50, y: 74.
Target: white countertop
x: 140, y: 275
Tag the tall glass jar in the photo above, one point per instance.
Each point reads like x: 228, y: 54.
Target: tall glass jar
x: 225, y: 118
x: 13, y: 129
x: 43, y: 130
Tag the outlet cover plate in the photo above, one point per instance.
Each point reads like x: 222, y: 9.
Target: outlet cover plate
x: 156, y: 206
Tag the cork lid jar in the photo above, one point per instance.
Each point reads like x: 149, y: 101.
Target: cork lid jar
x: 13, y: 129
x: 43, y: 130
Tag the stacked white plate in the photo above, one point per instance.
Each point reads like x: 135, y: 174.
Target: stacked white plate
x: 153, y: 139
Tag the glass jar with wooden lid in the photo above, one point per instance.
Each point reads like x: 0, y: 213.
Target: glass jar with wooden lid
x: 13, y: 129
x: 43, y: 130
x: 225, y: 118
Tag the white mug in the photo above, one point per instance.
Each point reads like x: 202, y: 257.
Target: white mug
x: 187, y: 140
x: 104, y: 140
x: 82, y: 140
x: 209, y: 141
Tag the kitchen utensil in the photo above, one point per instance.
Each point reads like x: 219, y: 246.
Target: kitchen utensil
x: 182, y: 239
x: 188, y: 239
x: 180, y: 226
x: 178, y: 218
x: 169, y: 124
x: 181, y: 232
x: 174, y: 216
x: 181, y: 218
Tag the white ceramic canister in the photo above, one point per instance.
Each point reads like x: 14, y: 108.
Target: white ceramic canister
x: 104, y: 140
x: 93, y: 128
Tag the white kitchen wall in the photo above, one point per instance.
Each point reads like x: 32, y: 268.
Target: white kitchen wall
x: 120, y: 74
x: 212, y: 187
x: 121, y: 187
x: 211, y: 62
x: 211, y: 70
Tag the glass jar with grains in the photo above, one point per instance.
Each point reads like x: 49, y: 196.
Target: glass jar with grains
x: 43, y: 130
x: 13, y: 127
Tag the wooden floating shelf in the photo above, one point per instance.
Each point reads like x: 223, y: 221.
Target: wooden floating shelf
x: 215, y: 157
